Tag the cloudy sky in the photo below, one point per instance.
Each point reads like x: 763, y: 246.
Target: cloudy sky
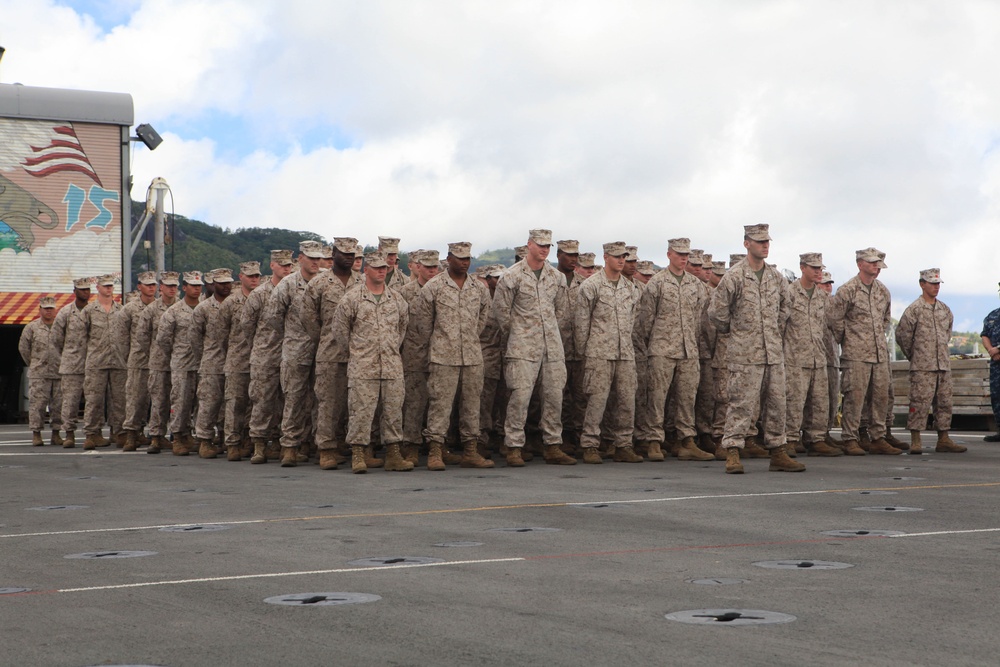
x: 843, y: 124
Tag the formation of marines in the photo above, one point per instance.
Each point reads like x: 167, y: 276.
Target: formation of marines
x: 332, y: 359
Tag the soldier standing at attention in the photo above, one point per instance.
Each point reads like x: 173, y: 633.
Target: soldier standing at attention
x: 42, y: 361
x: 212, y: 339
x: 832, y: 369
x: 456, y: 307
x: 266, y: 399
x: 70, y: 341
x: 585, y: 265
x: 528, y: 305
x: 923, y: 333
x: 861, y: 319
x: 372, y: 320
x: 751, y: 305
x: 173, y: 337
x: 389, y: 247
x: 604, y: 316
x: 105, y: 369
x: 159, y: 361
x: 237, y: 365
x: 136, y: 361
x: 574, y: 400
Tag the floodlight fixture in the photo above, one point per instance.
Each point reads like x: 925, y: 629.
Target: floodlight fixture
x: 148, y: 136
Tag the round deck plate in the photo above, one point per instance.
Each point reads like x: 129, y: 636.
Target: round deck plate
x: 321, y: 599
x: 729, y: 617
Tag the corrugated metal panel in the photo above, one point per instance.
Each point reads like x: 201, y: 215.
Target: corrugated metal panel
x: 22, y: 307
x: 17, y: 101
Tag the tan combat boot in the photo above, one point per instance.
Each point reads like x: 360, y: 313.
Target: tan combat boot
x: 880, y: 446
x: 328, y: 459
x: 689, y: 451
x: 206, y: 449
x: 720, y: 451
x: 554, y: 455
x: 394, y: 461
x: 671, y: 446
x: 514, y: 459
x: 289, y: 457
x: 36, y: 439
x: 706, y: 443
x: 780, y: 462
x: 450, y: 457
x: 156, y: 444
x: 358, y: 466
x: 654, y: 452
x: 946, y: 445
x: 851, y: 448
x: 894, y: 441
x: 189, y: 442
x: 246, y: 448
x: 820, y: 448
x: 119, y: 439
x: 434, y: 460
x: 94, y: 440
x: 178, y: 447
x: 733, y: 465
x: 591, y: 455
x: 259, y: 451
x: 411, y: 453
x: 70, y: 441
x: 792, y: 449
x: 752, y: 450
x: 797, y: 447
x: 130, y: 442
x: 370, y: 460
x: 272, y: 450
x: 141, y: 440
x: 641, y: 447
x: 56, y: 439
x: 302, y: 453
x: 626, y: 454
x: 472, y: 459
x: 607, y: 449
x: 234, y: 453
x: 915, y: 446
x: 101, y: 440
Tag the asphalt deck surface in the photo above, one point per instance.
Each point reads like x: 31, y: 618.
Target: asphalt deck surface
x: 620, y: 548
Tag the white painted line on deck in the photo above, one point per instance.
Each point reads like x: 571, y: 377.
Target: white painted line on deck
x: 949, y: 532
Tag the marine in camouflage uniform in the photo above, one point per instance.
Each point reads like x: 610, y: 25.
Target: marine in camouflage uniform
x: 603, y: 323
x: 323, y: 295
x: 389, y: 247
x: 136, y: 361
x: 455, y: 306
x: 832, y: 367
x: 208, y: 334
x: 574, y: 398
x: 492, y: 404
x: 42, y: 361
x: 751, y: 304
x: 923, y: 333
x: 861, y: 318
x: 173, y: 337
x: 237, y: 365
x: 159, y: 361
x: 704, y: 403
x: 415, y: 353
x: 372, y: 319
x: 70, y: 342
x: 105, y: 373
x: 528, y: 305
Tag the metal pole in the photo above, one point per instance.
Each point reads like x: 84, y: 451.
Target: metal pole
x: 158, y: 231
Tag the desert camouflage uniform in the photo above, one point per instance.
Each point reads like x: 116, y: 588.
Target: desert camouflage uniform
x: 70, y: 341
x: 210, y: 336
x: 173, y: 337
x: 805, y: 332
x: 832, y: 370
x: 319, y: 304
x: 415, y: 354
x: 704, y: 403
x: 753, y: 312
x: 492, y: 404
x: 266, y: 398
x: 528, y: 310
x: 105, y: 370
x: 668, y: 323
x: 137, y: 364
x: 42, y: 360
x: 923, y: 333
x: 236, y: 368
x: 159, y: 384
x: 373, y: 330
x: 603, y: 323
x: 456, y: 316
x: 861, y: 319
x: 395, y: 279
x: 574, y: 397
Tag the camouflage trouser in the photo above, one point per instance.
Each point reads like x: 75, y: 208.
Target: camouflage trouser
x: 720, y: 392
x: 414, y: 406
x: 574, y: 398
x: 211, y: 398
x: 857, y: 378
x: 296, y: 419
x: 927, y: 389
x: 183, y: 390
x: 44, y: 394
x: 704, y: 402
x: 602, y: 380
x: 683, y: 375
x: 237, y: 406
x: 807, y: 403
x: 641, y: 403
x: 363, y: 397
x: 833, y: 388
x: 443, y: 386
x: 521, y: 376
x: 98, y: 386
x: 136, y: 399
x: 331, y: 404
x: 72, y: 392
x: 159, y: 402
x: 266, y: 400
x: 755, y: 389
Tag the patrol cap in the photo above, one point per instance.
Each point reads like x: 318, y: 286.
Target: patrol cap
x: 495, y: 270
x: 615, y: 248
x: 680, y: 245
x: 429, y: 257
x: 207, y: 277
x: 757, y: 232
x: 869, y: 255
x: 388, y: 245
x: 146, y: 278
x: 106, y: 280
x: 521, y: 251
x: 375, y: 259
x: 328, y: 252
x: 586, y: 260
x: 193, y: 278
x: 719, y: 268
x: 250, y: 268
x: 313, y: 249
x: 694, y: 257
x: 813, y: 259
x: 82, y: 283
x: 540, y: 236
x: 281, y: 257
x: 827, y: 278
x: 443, y: 265
x: 881, y: 260
x: 222, y: 275
x: 931, y: 276
x: 47, y: 302
x: 170, y: 278
x: 570, y: 247
x: 736, y: 257
x: 645, y: 267
x: 346, y: 245
x: 633, y: 253
x: 131, y: 296
x: 706, y: 261
x: 460, y: 249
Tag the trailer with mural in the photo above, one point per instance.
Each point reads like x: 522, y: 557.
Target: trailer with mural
x: 64, y: 181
